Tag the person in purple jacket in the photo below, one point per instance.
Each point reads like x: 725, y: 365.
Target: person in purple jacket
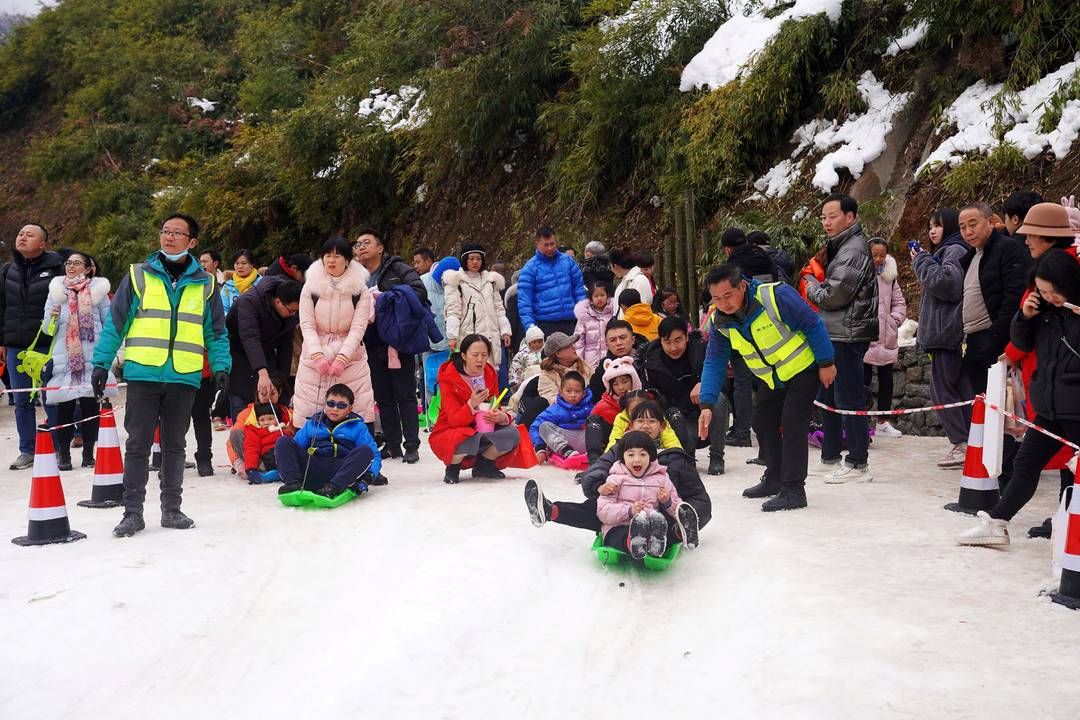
x: 786, y: 346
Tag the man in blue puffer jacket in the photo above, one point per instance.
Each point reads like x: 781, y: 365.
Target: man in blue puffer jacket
x: 549, y: 286
x: 560, y: 429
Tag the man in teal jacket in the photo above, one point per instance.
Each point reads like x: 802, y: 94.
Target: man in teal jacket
x: 167, y: 311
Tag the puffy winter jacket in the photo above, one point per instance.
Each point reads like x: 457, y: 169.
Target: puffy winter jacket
x: 548, y: 288
x: 334, y: 315
x: 654, y: 367
x: 941, y: 323
x: 230, y: 294
x: 392, y: 271
x: 591, y: 323
x: 617, y: 508
x: 326, y: 439
x: 563, y: 414
x: 607, y: 409
x: 754, y: 262
x: 62, y: 373
x: 1003, y: 273
x: 437, y: 298
x: 474, y: 304
x: 597, y: 268
x: 550, y: 380
x: 258, y: 441
x: 1054, y: 335
x: 258, y: 337
x: 25, y: 287
x: 645, y: 322
x: 892, y: 311
x: 635, y: 279
x: 847, y: 298
x: 621, y: 424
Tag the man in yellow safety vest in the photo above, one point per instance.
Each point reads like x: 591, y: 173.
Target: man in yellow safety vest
x: 787, y: 348
x: 167, y: 312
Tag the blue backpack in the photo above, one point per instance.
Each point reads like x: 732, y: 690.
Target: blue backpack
x: 405, y: 323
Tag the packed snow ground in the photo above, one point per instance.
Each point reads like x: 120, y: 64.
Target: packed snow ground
x: 426, y: 600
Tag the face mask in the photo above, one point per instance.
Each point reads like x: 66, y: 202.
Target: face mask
x: 174, y: 258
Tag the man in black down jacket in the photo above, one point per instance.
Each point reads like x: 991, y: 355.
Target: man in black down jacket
x: 995, y: 277
x: 395, y: 389
x: 847, y: 301
x: 24, y: 287
x: 260, y: 325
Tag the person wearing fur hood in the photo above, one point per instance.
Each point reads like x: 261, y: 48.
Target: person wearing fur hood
x: 75, y: 312
x: 593, y: 314
x: 883, y: 352
x: 335, y: 309
x: 474, y: 303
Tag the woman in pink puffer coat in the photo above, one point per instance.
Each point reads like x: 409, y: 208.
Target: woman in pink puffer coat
x: 882, y: 354
x: 335, y: 308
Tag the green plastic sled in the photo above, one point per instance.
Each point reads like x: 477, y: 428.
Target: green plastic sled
x: 428, y: 421
x: 614, y: 556
x: 306, y: 498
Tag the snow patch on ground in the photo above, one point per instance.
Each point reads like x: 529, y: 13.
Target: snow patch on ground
x: 395, y: 111
x: 909, y: 39
x: 736, y: 42
x: 859, y: 140
x: 202, y: 103
x: 663, y: 24
x: 974, y: 120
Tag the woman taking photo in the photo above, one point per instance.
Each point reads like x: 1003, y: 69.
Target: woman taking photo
x: 1049, y: 327
x: 474, y: 304
x: 467, y: 432
x: 75, y: 312
x: 335, y: 307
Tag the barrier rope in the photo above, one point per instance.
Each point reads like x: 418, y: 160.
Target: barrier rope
x: 79, y: 422
x: 1027, y: 423
x: 53, y: 388
x: 900, y: 411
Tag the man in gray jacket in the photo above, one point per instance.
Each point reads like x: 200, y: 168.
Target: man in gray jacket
x: 848, y: 304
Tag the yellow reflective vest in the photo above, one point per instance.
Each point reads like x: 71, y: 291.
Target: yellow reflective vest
x: 773, y: 348
x: 160, y: 331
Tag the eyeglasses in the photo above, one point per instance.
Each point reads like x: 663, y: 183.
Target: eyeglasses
x: 338, y: 405
x: 364, y: 243
x: 74, y: 263
x: 175, y: 234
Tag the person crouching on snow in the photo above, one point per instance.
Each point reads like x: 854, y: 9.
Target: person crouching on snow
x: 560, y: 429
x: 332, y: 452
x: 641, y: 489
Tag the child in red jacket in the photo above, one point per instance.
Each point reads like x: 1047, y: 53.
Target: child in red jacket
x: 620, y: 377
x: 259, y: 439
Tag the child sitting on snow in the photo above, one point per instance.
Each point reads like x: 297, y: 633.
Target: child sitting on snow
x: 526, y: 363
x: 640, y: 490
x: 334, y: 450
x: 620, y: 377
x: 259, y: 440
x: 247, y: 418
x: 560, y: 428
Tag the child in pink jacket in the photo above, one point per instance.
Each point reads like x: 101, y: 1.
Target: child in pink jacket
x: 637, y: 490
x: 593, y: 314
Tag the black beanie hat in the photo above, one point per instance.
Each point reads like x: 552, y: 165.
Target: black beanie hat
x: 473, y: 248
x: 638, y: 439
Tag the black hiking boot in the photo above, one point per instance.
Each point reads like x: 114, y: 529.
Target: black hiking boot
x: 289, y: 488
x: 205, y: 468
x: 785, y: 500
x: 129, y: 525
x: 389, y: 452
x: 538, y: 505
x: 762, y: 490
x: 88, y: 456
x: 686, y: 518
x: 755, y: 461
x: 452, y: 475
x: 733, y: 439
x: 329, y: 491
x: 485, y: 468
x: 63, y: 460
x: 176, y: 520
x: 1041, y: 531
x: 716, y: 466
x: 411, y: 456
x: 377, y: 480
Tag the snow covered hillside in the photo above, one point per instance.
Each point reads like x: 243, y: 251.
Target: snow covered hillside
x: 423, y: 600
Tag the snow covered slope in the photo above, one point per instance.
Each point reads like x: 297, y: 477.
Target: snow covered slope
x: 423, y: 600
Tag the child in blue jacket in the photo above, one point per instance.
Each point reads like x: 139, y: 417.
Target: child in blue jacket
x: 561, y: 427
x: 333, y: 451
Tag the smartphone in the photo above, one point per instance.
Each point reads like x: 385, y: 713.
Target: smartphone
x: 914, y: 246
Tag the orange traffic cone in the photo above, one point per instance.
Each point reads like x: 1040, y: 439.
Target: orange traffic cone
x: 978, y: 491
x: 155, y: 450
x: 108, y: 487
x: 1068, y: 592
x: 48, y: 511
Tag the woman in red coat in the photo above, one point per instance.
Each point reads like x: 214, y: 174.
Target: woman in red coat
x: 466, y: 383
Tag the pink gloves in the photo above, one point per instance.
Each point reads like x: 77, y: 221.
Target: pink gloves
x: 322, y: 365
x: 337, y: 367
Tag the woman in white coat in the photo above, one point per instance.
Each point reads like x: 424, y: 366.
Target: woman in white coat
x: 474, y: 303
x: 75, y: 312
x: 623, y: 263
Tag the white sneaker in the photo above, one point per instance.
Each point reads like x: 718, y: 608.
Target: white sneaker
x: 887, y: 429
x: 847, y: 473
x: 955, y: 456
x: 989, y: 531
x: 823, y: 469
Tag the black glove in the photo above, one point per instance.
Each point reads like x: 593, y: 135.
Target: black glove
x: 98, y: 379
x: 221, y: 381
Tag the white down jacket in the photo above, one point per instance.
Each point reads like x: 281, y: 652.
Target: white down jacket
x: 474, y: 304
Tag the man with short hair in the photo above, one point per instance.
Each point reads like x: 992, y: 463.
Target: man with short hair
x: 422, y: 260
x: 395, y: 388
x: 621, y: 342
x: 672, y: 365
x: 211, y: 263
x: 787, y: 347
x: 995, y: 277
x: 847, y: 301
x: 1015, y: 208
x: 549, y: 286
x: 24, y: 288
x: 168, y: 313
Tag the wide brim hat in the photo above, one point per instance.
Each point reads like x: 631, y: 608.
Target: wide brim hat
x: 1047, y: 220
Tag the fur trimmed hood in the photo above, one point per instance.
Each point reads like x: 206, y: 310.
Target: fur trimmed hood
x: 584, y: 310
x: 99, y: 289
x: 889, y: 273
x: 454, y: 278
x: 353, y: 282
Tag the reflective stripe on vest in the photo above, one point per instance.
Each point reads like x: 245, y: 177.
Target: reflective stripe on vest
x: 150, y: 337
x: 773, y: 346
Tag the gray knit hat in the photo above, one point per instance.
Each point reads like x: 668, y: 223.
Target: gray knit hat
x: 556, y: 341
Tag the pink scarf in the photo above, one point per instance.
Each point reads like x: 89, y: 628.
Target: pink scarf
x: 80, y: 323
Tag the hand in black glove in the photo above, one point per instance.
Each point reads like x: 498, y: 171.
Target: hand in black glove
x: 221, y: 381
x: 98, y: 378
